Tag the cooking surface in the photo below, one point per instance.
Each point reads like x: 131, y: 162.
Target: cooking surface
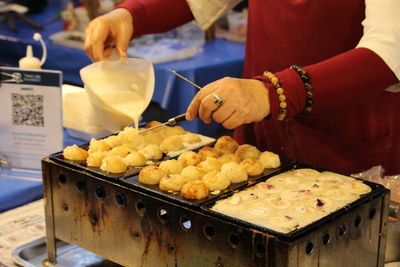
x: 132, y: 181
x: 376, y: 189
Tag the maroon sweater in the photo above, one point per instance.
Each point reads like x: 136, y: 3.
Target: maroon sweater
x: 355, y: 123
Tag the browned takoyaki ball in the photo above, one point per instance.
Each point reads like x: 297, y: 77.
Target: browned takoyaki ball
x: 216, y: 180
x: 95, y: 158
x: 269, y: 159
x: 195, y: 190
x: 130, y: 137
x: 151, y: 175
x: 189, y: 158
x: 135, y: 159
x: 210, y: 164
x: 193, y: 173
x: 176, y: 130
x: 190, y: 138
x: 113, y: 164
x: 121, y: 151
x: 153, y: 137
x: 226, y: 144
x: 225, y: 158
x: 235, y: 172
x: 151, y: 152
x: 252, y: 167
x: 172, y: 182
x: 171, y: 166
x: 206, y: 152
x: 98, y: 145
x: 247, y: 151
x: 152, y: 124
x: 75, y: 152
x: 172, y: 143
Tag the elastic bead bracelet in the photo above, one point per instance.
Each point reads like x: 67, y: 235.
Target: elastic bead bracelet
x: 281, y: 94
x: 307, y: 86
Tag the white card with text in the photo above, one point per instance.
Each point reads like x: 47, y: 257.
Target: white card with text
x: 31, y: 116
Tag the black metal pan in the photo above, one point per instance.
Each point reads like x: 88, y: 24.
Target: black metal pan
x: 377, y: 189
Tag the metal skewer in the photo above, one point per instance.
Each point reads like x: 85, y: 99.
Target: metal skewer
x: 170, y: 122
x: 185, y: 79
x: 178, y: 118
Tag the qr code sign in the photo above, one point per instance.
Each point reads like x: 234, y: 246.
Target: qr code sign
x: 27, y: 110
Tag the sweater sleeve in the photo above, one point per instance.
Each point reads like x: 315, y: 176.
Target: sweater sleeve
x: 155, y: 16
x: 337, y: 82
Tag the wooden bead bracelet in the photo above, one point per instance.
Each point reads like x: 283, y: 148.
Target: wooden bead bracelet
x: 281, y: 94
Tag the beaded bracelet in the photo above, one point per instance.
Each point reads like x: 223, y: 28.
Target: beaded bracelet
x: 281, y: 94
x: 307, y: 86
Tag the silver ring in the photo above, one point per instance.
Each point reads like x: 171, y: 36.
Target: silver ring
x: 217, y: 100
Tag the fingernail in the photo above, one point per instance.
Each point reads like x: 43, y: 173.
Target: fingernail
x: 121, y: 53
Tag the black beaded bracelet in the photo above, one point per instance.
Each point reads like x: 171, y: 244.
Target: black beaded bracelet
x: 307, y: 86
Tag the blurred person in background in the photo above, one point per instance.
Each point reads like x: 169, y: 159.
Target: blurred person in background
x: 321, y: 78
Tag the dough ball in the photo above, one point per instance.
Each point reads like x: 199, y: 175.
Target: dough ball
x: 113, y: 140
x: 193, y: 173
x: 209, y: 152
x: 226, y: 144
x: 216, y: 180
x: 95, y: 159
x: 151, y: 175
x: 252, y: 167
x: 189, y: 158
x: 135, y: 159
x: 176, y: 130
x: 152, y: 124
x: 191, y: 138
x: 131, y: 136
x: 151, y: 152
x: 75, y: 152
x: 235, y: 172
x: 152, y: 138
x: 225, y: 158
x: 121, y: 151
x: 210, y: 164
x: 172, y: 143
x: 247, y: 151
x: 171, y: 166
x: 172, y: 182
x: 98, y: 145
x: 113, y: 164
x: 195, y: 190
x: 269, y: 160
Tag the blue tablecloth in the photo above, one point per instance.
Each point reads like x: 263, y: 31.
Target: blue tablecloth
x: 21, y: 186
x: 219, y: 58
x: 18, y: 187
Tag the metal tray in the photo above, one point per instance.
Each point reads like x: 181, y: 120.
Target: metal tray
x: 132, y: 181
x: 81, y: 165
x: 377, y: 189
x: 130, y: 178
x: 33, y: 254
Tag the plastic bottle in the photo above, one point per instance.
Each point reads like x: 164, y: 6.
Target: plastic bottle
x: 31, y: 62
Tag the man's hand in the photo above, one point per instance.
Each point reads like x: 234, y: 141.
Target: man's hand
x: 109, y: 31
x: 244, y: 101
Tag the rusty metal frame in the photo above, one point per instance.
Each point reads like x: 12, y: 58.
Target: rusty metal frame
x: 133, y: 228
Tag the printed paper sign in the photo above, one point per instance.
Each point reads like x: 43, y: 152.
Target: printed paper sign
x: 30, y: 116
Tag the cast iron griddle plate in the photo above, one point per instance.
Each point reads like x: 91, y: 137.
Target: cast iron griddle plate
x: 132, y: 181
x: 376, y: 190
x: 81, y: 165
